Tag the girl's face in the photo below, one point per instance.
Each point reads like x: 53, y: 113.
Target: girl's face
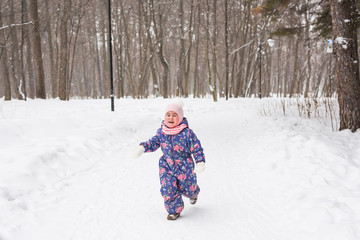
x: 171, y: 119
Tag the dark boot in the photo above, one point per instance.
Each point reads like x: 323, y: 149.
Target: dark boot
x: 193, y: 200
x: 173, y: 216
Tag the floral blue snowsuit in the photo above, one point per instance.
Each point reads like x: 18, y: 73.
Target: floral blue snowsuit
x: 176, y: 166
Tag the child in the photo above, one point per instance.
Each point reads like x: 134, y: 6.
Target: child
x: 176, y: 166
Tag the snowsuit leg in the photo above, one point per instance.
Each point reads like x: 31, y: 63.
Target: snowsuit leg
x: 173, y: 186
x: 187, y: 184
x: 169, y: 190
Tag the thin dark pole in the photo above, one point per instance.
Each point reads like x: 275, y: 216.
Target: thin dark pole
x: 111, y: 63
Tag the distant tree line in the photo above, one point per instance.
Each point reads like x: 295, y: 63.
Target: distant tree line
x: 189, y: 48
x: 56, y: 48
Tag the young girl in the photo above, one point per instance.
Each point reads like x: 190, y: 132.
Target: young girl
x: 176, y: 166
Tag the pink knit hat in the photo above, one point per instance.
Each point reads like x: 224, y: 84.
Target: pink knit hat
x: 176, y: 107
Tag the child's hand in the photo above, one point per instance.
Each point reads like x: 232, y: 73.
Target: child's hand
x: 199, y: 167
x: 138, y: 151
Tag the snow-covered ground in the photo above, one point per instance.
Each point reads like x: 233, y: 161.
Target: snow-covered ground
x: 66, y: 172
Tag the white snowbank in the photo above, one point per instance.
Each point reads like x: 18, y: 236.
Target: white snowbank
x: 66, y: 172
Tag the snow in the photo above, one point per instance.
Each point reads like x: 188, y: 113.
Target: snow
x: 211, y: 88
x: 66, y: 172
x: 343, y: 41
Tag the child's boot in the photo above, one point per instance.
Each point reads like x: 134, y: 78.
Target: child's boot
x: 173, y: 216
x: 193, y: 200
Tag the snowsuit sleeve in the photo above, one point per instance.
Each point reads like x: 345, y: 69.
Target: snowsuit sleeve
x: 195, y: 147
x: 153, y: 143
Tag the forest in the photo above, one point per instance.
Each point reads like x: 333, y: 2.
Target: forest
x: 235, y: 48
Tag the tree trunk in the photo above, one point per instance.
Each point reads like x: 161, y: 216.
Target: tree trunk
x: 287, y: 81
x: 308, y: 50
x: 211, y: 65
x: 97, y: 77
x: 180, y: 71
x: 4, y: 66
x: 24, y: 35
x: 243, y: 64
x: 64, y: 50
x: 196, y: 88
x: 40, y: 75
x: 30, y: 70
x: 207, y: 56
x: 105, y: 53
x: 15, y: 59
x: 143, y: 61
x: 72, y: 53
x: 118, y: 49
x: 5, y: 75
x: 227, y: 66
x: 148, y: 18
x: 347, y: 62
x: 85, y: 79
x: 294, y: 85
x: 30, y: 92
x: 54, y: 84
x: 92, y: 58
x: 214, y: 48
x: 120, y: 64
x: 190, y: 37
x: 128, y: 53
x: 158, y: 30
x: 57, y: 47
x: 280, y: 88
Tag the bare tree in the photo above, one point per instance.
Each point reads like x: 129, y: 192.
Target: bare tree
x: 97, y: 78
x: 129, y: 58
x: 197, y: 46
x: 24, y: 35
x: 76, y: 26
x: 308, y: 53
x: 164, y: 48
x: 187, y: 61
x: 4, y: 66
x: 180, y: 71
x: 157, y: 18
x: 54, y: 83
x: 18, y: 83
x: 118, y: 49
x: 151, y: 60
x: 211, y: 44
x: 64, y: 50
x: 214, y: 50
x: 28, y: 70
x: 227, y: 64
x: 40, y: 79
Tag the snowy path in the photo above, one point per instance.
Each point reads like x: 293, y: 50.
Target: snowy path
x: 266, y: 178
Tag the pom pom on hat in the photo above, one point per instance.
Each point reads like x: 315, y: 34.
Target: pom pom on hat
x: 176, y: 106
x: 178, y: 101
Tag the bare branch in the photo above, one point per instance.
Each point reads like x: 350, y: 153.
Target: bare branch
x: 15, y: 25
